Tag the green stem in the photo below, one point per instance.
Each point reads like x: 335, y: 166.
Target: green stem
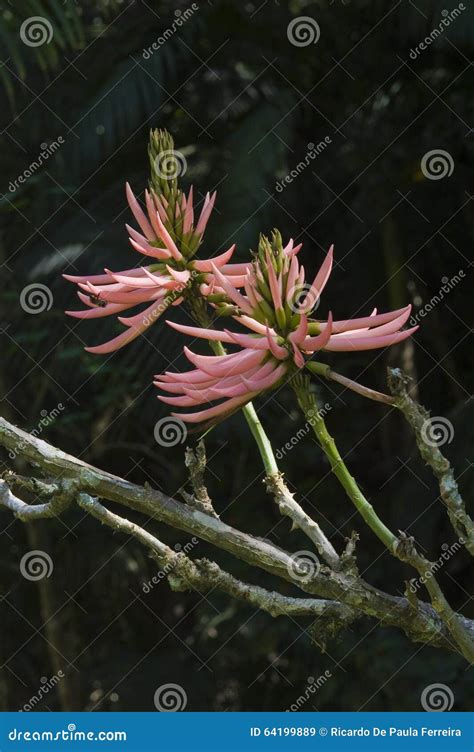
x: 308, y: 404
x: 261, y: 438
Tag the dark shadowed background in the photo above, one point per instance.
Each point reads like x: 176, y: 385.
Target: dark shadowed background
x: 246, y: 105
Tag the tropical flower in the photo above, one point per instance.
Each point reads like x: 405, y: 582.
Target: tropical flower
x: 170, y: 238
x: 276, y: 306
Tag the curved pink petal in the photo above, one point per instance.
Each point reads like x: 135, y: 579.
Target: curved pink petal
x: 139, y: 214
x: 196, y: 331
x: 139, y: 318
x: 98, y: 312
x: 389, y: 328
x: 279, y: 352
x: 222, y: 409
x: 313, y: 344
x: 130, y: 334
x: 205, y: 265
x: 206, y: 212
x: 225, y: 365
x: 354, y: 344
x: 232, y: 293
x: 375, y: 319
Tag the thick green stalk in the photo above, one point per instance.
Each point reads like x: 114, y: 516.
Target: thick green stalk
x: 308, y: 404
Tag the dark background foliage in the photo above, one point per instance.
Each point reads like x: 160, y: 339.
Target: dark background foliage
x: 243, y: 104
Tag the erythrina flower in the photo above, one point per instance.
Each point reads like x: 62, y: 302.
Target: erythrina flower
x: 169, y: 237
x: 276, y: 308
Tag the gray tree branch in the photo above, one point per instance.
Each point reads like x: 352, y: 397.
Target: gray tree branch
x: 421, y: 624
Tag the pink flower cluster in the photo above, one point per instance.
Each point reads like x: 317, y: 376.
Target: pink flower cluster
x: 275, y: 306
x: 268, y: 297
